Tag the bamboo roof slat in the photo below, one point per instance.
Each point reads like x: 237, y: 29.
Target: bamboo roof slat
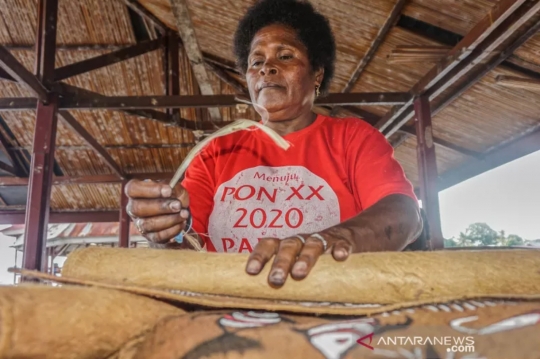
x: 487, y: 114
x: 85, y: 197
x: 530, y: 51
x: 456, y: 16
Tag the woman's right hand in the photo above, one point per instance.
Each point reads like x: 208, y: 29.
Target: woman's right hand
x: 158, y: 211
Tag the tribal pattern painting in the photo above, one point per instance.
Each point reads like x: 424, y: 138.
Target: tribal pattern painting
x: 465, y: 330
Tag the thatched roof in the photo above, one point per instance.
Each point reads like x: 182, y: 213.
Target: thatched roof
x: 482, y: 118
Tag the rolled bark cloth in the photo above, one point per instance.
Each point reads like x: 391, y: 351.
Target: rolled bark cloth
x: 45, y: 322
x: 378, y: 278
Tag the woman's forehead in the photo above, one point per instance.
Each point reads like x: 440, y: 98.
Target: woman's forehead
x: 274, y: 36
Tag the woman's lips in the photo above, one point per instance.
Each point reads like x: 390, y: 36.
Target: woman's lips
x: 269, y: 85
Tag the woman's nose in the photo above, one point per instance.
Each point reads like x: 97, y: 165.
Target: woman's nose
x: 268, y: 69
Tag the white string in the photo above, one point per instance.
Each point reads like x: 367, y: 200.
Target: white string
x: 239, y: 125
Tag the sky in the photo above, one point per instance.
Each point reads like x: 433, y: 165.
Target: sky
x: 506, y: 198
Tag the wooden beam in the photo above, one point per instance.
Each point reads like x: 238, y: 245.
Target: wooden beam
x: 483, y: 70
x: 427, y: 171
x: 409, y: 131
x: 124, y: 219
x: 144, y: 13
x: 193, y: 52
x: 98, y: 179
x: 228, y: 79
x: 364, y: 99
x: 208, y: 58
x: 7, y: 168
x: 74, y: 92
x: 111, y: 58
x: 518, y: 82
x: 379, y: 39
x: 398, y: 140
x: 42, y: 164
x: 18, y: 72
x: 367, y: 116
x: 465, y: 53
x: 498, y: 156
x: 18, y: 217
x: 76, y: 127
x: 5, y: 76
x: 18, y: 103
x: 221, y: 62
x: 173, y: 73
x: 84, y: 147
x: 130, y: 103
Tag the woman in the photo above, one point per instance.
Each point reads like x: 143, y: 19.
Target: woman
x: 337, y: 190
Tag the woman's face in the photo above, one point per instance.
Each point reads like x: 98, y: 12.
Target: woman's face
x: 279, y: 75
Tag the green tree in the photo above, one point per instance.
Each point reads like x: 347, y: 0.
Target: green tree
x: 478, y: 234
x: 448, y: 243
x: 513, y: 240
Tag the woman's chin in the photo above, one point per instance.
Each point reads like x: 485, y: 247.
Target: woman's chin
x: 271, y: 111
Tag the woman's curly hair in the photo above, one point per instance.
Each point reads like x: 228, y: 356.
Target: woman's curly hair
x: 312, y: 28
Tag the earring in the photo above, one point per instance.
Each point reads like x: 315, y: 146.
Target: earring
x: 317, y: 91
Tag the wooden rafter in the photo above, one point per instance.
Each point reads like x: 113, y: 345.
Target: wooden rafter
x: 479, y: 73
x: 408, y: 132
x: 7, y: 168
x: 447, y: 39
x: 145, y: 14
x: 111, y: 58
x: 411, y: 132
x: 193, y: 52
x: 76, y: 127
x: 5, y: 76
x: 69, y: 91
x: 224, y: 76
x: 18, y: 72
x: 129, y: 103
x: 500, y: 23
x: 518, y: 82
x: 379, y: 39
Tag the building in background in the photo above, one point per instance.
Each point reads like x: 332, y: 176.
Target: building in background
x: 64, y: 238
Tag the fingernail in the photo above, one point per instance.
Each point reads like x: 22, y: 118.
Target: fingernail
x: 341, y: 254
x: 300, y: 267
x: 253, y: 267
x: 277, y: 277
x: 184, y: 213
x: 166, y: 191
x: 175, y: 206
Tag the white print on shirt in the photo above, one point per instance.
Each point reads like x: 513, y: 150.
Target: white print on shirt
x: 263, y: 202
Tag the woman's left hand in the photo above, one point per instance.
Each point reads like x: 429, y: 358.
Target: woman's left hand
x: 298, y: 254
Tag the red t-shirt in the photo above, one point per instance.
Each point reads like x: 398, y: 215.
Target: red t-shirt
x: 243, y: 187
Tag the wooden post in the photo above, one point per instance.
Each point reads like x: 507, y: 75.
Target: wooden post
x: 173, y: 71
x: 124, y: 219
x: 427, y: 171
x: 42, y: 164
x: 39, y: 187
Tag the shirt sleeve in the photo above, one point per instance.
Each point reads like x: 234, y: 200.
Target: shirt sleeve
x: 200, y: 184
x: 373, y: 170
